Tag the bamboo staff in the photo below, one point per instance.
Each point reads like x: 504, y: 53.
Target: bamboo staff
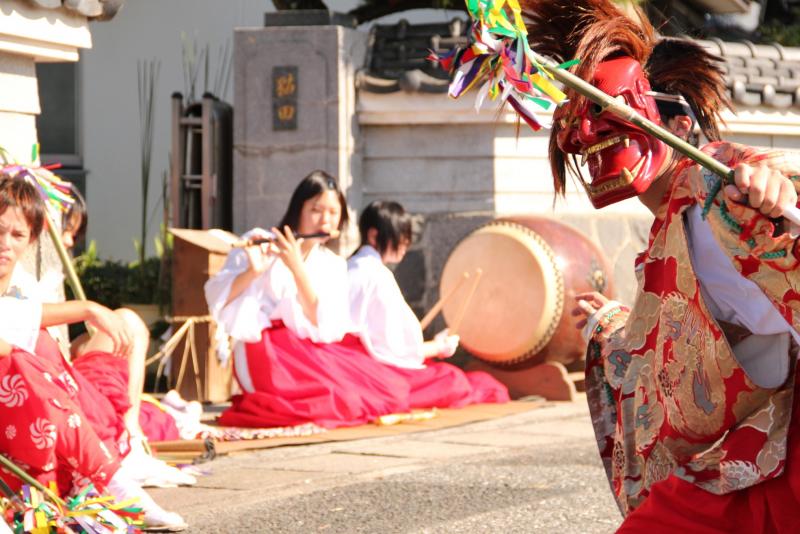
x: 625, y: 112
x: 464, y: 305
x: 434, y: 311
x: 66, y: 261
x: 26, y: 478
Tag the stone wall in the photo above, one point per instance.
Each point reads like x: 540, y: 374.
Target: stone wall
x: 270, y: 161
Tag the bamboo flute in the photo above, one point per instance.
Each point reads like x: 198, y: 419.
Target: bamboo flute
x: 243, y: 243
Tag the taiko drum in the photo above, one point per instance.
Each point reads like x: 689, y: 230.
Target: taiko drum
x: 518, y: 314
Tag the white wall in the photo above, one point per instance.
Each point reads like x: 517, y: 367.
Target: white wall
x: 146, y: 29
x: 436, y: 154
x: 143, y: 29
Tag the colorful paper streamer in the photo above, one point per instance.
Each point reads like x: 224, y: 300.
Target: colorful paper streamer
x: 500, y: 61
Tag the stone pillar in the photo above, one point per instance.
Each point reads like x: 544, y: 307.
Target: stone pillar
x: 295, y: 112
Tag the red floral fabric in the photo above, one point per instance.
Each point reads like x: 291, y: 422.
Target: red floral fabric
x: 44, y: 430
x: 102, y: 381
x: 770, y: 507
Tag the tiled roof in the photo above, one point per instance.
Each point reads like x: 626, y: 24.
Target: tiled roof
x: 760, y: 75
x: 398, y: 56
x: 757, y: 75
x: 92, y: 9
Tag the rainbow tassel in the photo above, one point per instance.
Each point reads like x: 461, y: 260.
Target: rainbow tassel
x: 88, y: 512
x: 56, y: 193
x: 500, y: 61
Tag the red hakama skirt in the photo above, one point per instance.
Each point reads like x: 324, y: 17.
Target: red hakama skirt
x: 297, y: 381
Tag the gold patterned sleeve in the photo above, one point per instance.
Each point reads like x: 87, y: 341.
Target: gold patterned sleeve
x: 762, y: 249
x: 607, y: 322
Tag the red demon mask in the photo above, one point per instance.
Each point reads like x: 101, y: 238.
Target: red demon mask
x: 623, y: 160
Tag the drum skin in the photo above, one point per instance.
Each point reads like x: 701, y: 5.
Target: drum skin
x: 519, y: 313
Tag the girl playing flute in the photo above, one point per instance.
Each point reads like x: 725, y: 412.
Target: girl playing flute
x: 285, y: 305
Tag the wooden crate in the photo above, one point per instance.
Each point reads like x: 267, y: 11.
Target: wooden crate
x: 198, y: 255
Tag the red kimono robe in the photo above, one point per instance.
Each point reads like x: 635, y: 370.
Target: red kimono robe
x: 669, y: 401
x: 44, y: 430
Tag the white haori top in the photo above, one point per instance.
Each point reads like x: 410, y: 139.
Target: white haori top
x: 384, y: 321
x: 21, y: 311
x: 733, y: 298
x: 273, y: 296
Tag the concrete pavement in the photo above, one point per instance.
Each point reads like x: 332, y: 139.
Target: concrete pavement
x: 536, y: 471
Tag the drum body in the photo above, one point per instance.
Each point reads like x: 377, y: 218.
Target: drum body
x: 519, y: 312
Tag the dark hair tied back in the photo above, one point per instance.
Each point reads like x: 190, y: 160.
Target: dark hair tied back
x: 390, y: 220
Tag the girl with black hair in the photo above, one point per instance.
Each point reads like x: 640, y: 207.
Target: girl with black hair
x: 388, y: 327
x: 285, y: 305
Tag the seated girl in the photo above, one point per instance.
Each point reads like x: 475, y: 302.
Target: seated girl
x: 139, y: 464
x: 388, y: 327
x: 285, y: 304
x: 143, y: 420
x: 63, y: 422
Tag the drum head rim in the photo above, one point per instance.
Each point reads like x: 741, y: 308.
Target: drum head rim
x: 542, y: 251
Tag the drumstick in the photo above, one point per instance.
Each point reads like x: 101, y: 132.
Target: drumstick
x: 434, y: 311
x: 460, y: 316
x: 260, y: 240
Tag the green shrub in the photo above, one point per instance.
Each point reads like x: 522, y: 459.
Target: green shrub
x: 114, y: 283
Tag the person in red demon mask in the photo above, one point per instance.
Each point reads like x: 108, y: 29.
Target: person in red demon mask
x: 623, y: 161
x: 692, y: 389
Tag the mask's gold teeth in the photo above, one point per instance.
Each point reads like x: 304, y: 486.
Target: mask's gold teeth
x: 638, y: 167
x: 605, y: 144
x: 626, y: 142
x: 626, y: 176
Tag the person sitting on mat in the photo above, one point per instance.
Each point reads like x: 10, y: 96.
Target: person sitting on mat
x: 139, y: 464
x: 388, y: 327
x: 284, y: 303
